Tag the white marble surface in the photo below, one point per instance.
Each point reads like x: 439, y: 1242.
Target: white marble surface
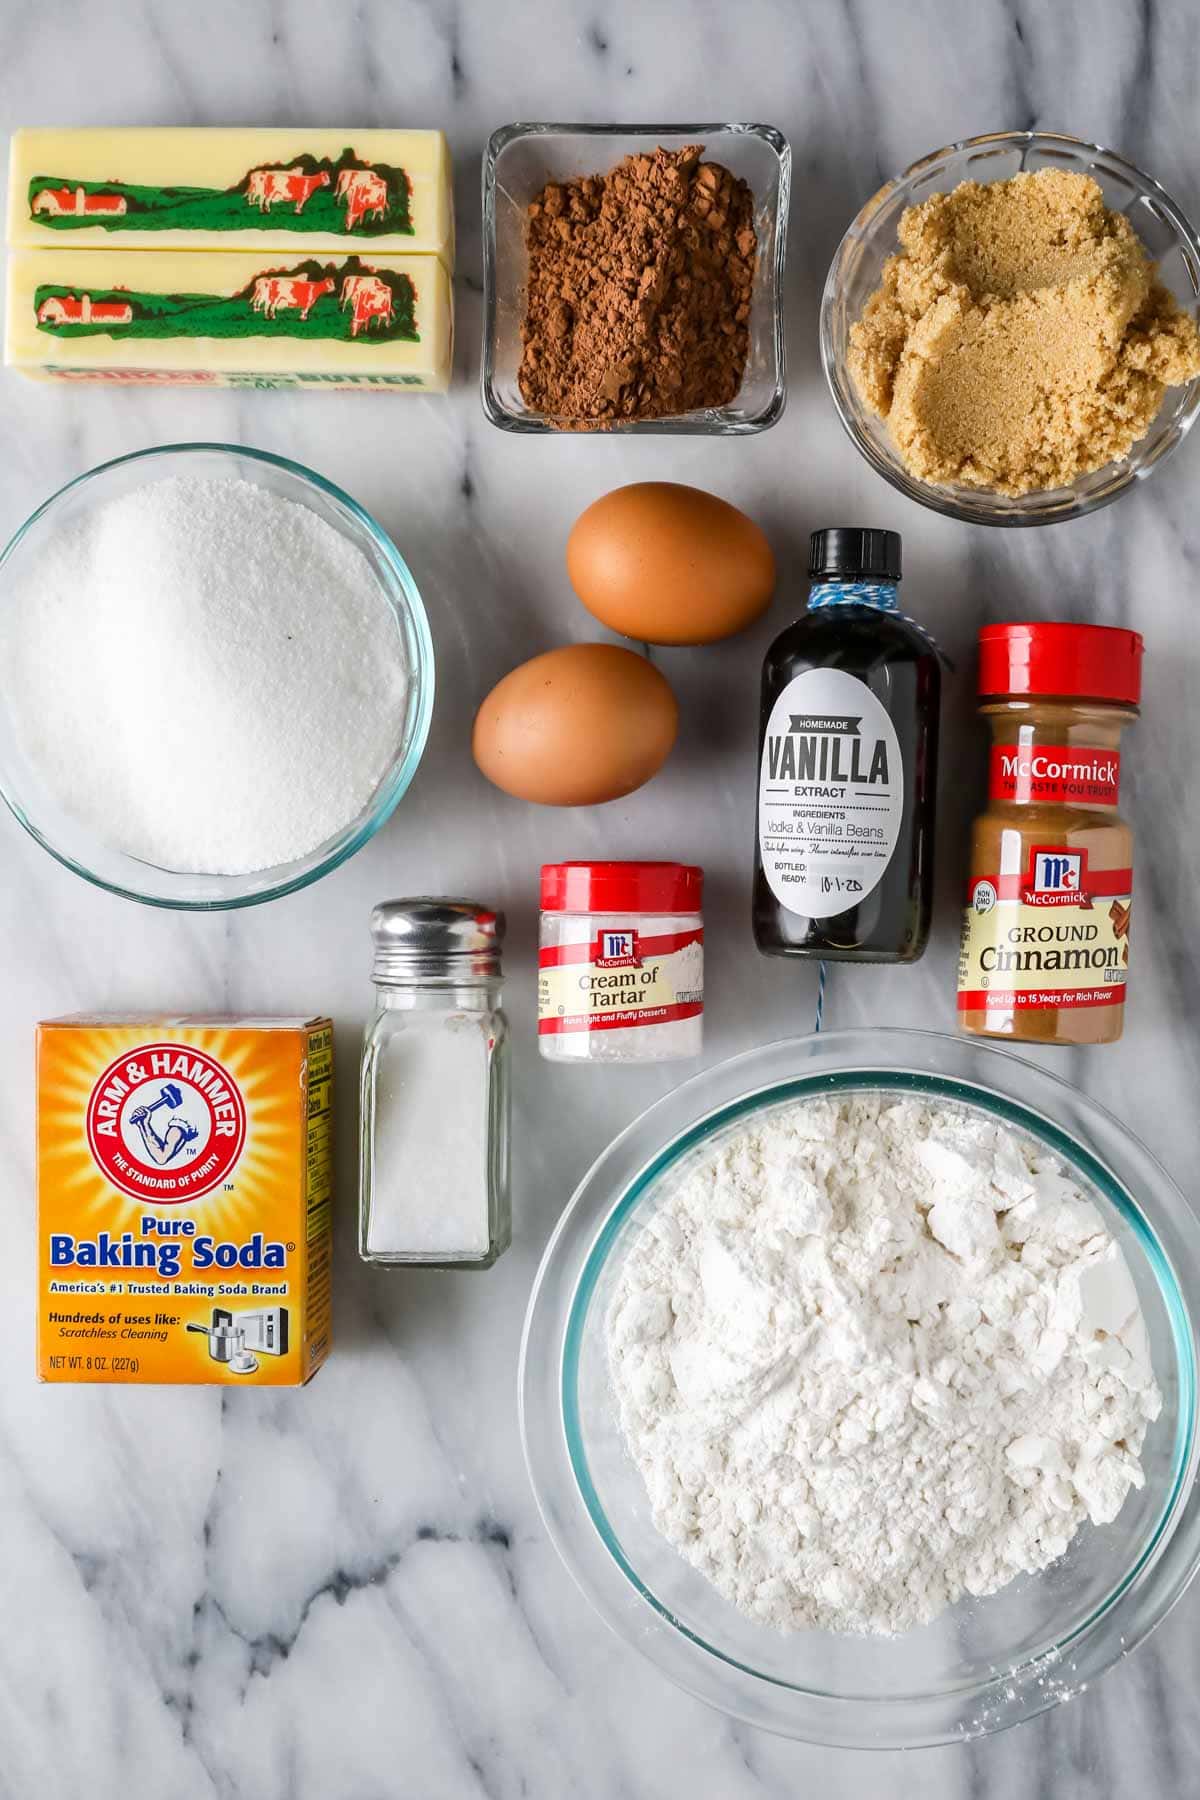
x: 345, y: 1592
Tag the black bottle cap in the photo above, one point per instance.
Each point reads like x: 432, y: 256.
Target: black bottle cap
x: 853, y: 553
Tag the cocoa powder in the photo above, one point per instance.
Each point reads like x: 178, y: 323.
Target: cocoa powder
x: 639, y: 291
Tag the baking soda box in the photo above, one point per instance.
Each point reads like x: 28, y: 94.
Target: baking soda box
x: 184, y: 1198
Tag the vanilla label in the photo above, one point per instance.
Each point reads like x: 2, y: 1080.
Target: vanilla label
x: 830, y: 793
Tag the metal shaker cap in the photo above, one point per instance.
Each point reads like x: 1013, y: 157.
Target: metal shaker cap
x: 436, y: 939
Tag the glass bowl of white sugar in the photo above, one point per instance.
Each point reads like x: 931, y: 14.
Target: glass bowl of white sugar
x: 217, y: 676
x: 858, y: 1388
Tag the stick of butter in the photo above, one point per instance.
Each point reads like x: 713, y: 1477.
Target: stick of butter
x: 230, y: 321
x: 212, y: 188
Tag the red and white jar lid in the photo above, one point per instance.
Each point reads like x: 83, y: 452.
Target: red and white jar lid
x: 624, y: 887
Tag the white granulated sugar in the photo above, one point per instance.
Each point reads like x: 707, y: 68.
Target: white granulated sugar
x: 873, y: 1355
x: 205, y: 674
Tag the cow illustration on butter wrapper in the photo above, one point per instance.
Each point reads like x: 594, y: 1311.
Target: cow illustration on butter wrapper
x: 347, y: 302
x: 345, y: 195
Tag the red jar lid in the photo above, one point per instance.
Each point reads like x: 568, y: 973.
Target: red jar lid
x: 1078, y: 662
x: 651, y: 887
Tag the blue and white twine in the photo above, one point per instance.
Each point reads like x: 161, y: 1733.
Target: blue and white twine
x: 883, y: 596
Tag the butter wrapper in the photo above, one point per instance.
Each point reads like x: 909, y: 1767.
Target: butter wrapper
x: 122, y: 316
x: 216, y: 188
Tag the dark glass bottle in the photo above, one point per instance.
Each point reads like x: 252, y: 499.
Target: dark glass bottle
x: 848, y: 736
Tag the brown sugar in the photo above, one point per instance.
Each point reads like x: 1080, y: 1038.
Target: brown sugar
x: 639, y: 291
x: 1020, y: 338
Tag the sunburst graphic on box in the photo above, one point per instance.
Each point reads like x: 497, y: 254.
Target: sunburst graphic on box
x: 133, y: 1119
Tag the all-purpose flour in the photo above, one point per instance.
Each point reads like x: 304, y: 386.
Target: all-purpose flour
x: 206, y: 674
x: 873, y: 1355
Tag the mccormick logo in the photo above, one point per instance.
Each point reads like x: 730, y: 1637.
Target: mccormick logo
x: 1057, y: 772
x: 1056, y: 871
x: 617, y: 950
x: 1056, y: 878
x: 166, y: 1121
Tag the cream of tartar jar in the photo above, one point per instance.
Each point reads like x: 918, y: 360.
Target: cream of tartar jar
x: 621, y: 962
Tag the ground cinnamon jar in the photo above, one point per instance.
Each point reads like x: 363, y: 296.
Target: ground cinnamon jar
x: 1044, y: 956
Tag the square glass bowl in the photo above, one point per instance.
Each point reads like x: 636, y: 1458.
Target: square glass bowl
x: 521, y: 159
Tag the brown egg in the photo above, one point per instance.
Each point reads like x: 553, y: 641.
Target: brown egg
x: 670, y: 565
x: 576, y: 726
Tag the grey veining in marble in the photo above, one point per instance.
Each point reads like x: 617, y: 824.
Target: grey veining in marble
x: 345, y: 1594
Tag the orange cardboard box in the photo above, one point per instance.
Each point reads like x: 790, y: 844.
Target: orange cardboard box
x: 184, y: 1199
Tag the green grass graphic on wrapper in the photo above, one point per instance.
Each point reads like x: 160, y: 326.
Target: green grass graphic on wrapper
x: 230, y: 209
x: 233, y: 316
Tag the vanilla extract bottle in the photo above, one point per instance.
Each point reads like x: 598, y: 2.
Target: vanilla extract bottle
x: 847, y: 786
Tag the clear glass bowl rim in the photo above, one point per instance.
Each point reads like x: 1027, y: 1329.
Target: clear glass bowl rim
x: 892, y: 1057
x: 392, y: 790
x: 927, y: 494
x: 687, y: 424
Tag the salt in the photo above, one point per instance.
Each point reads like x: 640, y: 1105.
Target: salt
x: 430, y: 1188
x: 205, y: 674
x: 434, y: 1150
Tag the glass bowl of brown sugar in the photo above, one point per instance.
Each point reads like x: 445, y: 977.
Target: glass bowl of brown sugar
x: 872, y: 241
x: 715, y: 364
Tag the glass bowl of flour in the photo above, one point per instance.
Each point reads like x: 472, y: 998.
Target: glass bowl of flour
x: 858, y: 1388
x: 217, y: 676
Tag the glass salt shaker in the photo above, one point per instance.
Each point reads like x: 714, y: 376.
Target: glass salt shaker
x: 434, y: 1150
